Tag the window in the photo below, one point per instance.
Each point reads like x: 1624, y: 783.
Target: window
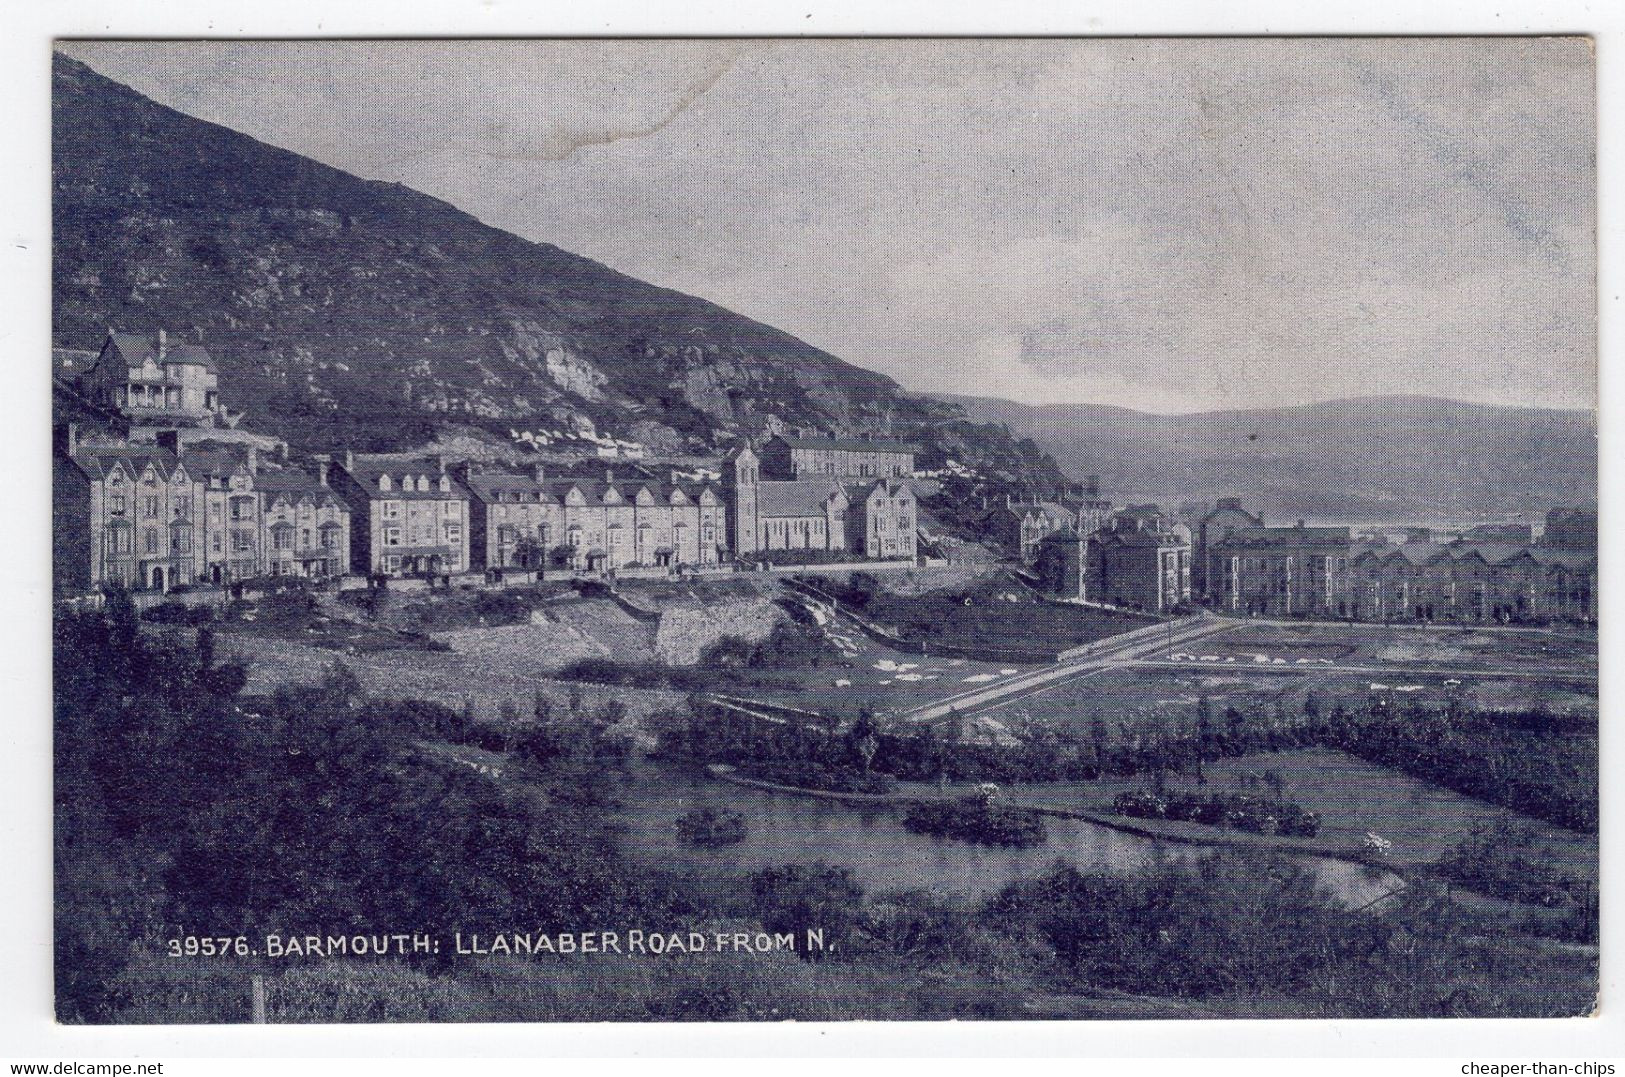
x: 392, y: 536
x: 392, y: 564
x: 152, y: 542
x: 241, y: 541
x: 304, y: 538
x: 181, y: 539
x: 330, y: 537
x: 392, y: 510
x: 149, y: 505
x: 454, y: 532
x: 214, y: 543
x: 118, y: 540
x: 115, y: 505
x: 214, y: 511
x: 242, y: 508
x: 183, y: 508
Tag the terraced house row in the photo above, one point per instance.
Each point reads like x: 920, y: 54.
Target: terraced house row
x: 172, y: 493
x: 1246, y: 567
x: 155, y: 516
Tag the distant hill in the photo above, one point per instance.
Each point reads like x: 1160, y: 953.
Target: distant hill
x: 1368, y: 458
x: 347, y: 311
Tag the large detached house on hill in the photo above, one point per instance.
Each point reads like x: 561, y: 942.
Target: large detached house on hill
x: 152, y: 381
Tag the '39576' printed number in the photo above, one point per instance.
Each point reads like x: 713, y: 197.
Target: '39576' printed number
x: 205, y: 946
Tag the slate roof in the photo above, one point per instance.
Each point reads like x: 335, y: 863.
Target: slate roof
x: 1040, y: 508
x: 1141, y: 538
x: 1286, y: 536
x: 850, y: 444
x: 293, y: 482
x: 487, y: 486
x: 366, y: 472
x: 801, y: 498
x: 1492, y: 553
x: 99, y: 461
x: 219, y: 459
x: 1066, y: 533
x: 860, y: 491
x: 135, y: 349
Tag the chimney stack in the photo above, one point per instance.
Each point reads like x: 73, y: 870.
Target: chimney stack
x: 323, y: 462
x: 163, y: 343
x: 67, y: 439
x: 349, y: 461
x: 440, y: 463
x: 253, y: 460
x: 539, y: 471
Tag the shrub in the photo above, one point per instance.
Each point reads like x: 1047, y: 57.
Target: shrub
x: 807, y: 774
x: 1239, y: 811
x: 178, y: 613
x: 710, y: 828
x: 976, y: 819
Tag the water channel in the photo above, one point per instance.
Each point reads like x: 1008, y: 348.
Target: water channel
x: 882, y: 855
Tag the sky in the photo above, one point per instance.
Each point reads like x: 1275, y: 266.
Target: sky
x: 1172, y: 226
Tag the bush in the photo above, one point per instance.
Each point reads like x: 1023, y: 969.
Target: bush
x: 709, y: 828
x: 1239, y: 811
x: 807, y: 774
x: 977, y: 820
x: 799, y: 898
x: 178, y: 613
x: 1507, y: 861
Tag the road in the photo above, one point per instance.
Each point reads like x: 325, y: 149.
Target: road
x: 1104, y: 655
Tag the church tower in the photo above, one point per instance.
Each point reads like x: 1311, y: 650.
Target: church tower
x: 740, y: 482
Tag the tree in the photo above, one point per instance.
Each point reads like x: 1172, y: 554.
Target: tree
x: 862, y: 738
x: 1204, y: 735
x: 797, y: 898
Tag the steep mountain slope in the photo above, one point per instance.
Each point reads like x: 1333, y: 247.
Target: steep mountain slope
x: 1372, y: 458
x: 344, y: 310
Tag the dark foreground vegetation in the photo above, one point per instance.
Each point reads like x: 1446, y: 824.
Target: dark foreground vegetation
x: 184, y: 808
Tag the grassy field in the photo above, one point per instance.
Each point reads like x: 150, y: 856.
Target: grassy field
x: 997, y: 614
x: 1400, y: 646
x: 441, y: 676
x: 1259, y: 665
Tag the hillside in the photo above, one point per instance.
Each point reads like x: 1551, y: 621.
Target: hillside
x: 348, y: 311
x: 1371, y: 458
